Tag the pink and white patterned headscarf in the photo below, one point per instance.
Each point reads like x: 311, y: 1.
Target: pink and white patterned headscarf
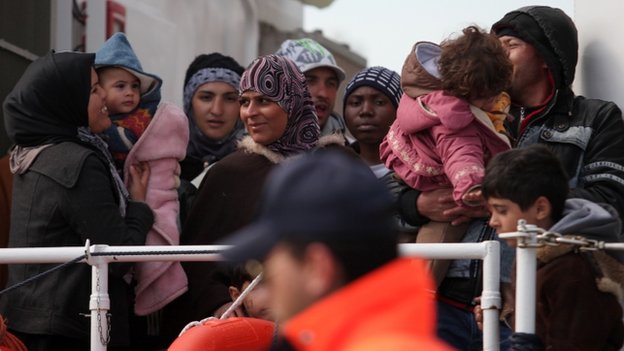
x: 279, y: 80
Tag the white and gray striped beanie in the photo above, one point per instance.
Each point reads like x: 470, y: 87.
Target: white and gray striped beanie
x: 385, y: 80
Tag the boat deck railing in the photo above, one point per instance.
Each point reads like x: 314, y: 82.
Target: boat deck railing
x: 100, y: 256
x: 528, y: 237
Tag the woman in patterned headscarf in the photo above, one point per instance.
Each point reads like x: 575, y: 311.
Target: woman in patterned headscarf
x: 276, y: 107
x: 278, y: 113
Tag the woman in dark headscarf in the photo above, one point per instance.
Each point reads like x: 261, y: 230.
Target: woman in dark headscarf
x: 211, y: 104
x: 278, y: 113
x: 66, y: 190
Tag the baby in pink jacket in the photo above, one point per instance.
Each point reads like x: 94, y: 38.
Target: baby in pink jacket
x: 450, y: 123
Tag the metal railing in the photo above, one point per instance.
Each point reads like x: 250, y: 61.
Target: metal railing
x: 529, y: 238
x: 99, y: 257
x: 489, y: 252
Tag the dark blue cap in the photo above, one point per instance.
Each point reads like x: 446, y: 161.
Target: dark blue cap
x: 326, y: 196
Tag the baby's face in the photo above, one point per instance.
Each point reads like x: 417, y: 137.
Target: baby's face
x: 123, y: 90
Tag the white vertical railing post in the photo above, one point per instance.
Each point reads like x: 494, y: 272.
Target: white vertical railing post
x: 491, y: 297
x: 526, y: 266
x: 99, y: 304
x: 489, y: 252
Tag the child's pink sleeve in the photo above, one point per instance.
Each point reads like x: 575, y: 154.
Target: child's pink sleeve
x: 462, y: 156
x: 408, y: 107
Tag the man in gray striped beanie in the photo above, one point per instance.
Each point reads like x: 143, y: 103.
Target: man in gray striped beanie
x: 380, y: 78
x: 370, y: 103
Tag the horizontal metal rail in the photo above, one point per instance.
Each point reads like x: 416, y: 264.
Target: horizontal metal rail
x: 529, y: 238
x: 99, y: 257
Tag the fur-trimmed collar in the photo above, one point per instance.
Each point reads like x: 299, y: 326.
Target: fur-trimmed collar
x: 610, y: 272
x: 331, y: 139
x: 250, y: 146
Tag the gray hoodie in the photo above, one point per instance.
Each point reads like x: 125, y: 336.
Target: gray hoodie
x: 593, y: 221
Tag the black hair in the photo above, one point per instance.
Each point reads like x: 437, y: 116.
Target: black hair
x: 522, y: 175
x: 239, y: 275
x: 232, y: 275
x: 214, y: 60
x: 355, y: 258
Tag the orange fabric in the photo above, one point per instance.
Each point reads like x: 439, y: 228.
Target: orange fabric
x: 391, y: 308
x: 8, y: 341
x: 6, y: 188
x: 499, y: 112
x: 137, y: 121
x: 232, y: 334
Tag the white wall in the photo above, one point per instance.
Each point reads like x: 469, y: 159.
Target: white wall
x: 167, y: 34
x: 600, y: 71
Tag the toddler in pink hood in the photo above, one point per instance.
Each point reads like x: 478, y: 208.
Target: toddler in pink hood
x: 450, y: 123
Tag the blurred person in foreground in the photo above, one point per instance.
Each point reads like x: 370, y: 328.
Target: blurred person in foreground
x: 327, y: 240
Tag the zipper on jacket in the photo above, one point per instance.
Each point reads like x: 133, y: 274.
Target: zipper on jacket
x: 551, y: 104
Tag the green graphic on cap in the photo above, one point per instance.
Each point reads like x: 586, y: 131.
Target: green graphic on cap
x: 313, y: 47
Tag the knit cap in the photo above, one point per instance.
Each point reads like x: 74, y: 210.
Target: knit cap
x: 309, y: 54
x: 385, y: 80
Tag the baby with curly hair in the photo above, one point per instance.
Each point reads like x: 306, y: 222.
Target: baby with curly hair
x: 450, y: 123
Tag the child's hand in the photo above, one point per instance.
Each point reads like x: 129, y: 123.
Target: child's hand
x: 478, y: 312
x: 506, y: 313
x: 473, y: 198
x: 237, y: 312
x: 432, y: 204
x: 509, y: 301
x: 139, y: 177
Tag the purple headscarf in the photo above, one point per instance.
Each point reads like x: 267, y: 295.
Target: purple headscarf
x: 279, y: 79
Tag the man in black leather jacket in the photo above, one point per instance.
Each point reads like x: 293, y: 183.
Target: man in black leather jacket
x: 585, y: 134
